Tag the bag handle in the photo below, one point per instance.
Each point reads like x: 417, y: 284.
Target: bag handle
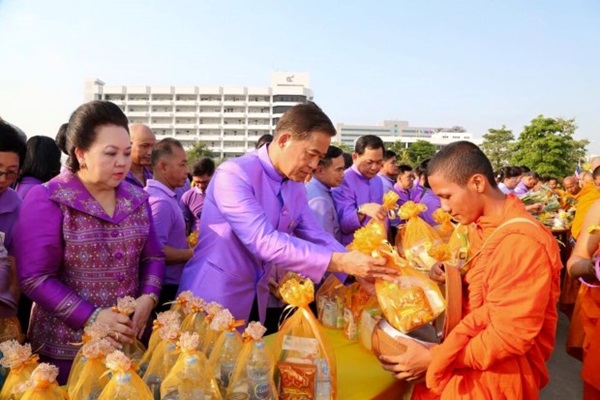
x: 454, y: 281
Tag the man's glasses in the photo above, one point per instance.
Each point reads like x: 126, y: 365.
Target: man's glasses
x: 9, y: 174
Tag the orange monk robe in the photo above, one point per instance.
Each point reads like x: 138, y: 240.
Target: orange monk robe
x: 500, y: 347
x: 590, y: 317
x: 585, y: 198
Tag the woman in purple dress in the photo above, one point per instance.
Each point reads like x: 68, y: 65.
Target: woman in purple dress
x: 42, y: 163
x: 86, y: 238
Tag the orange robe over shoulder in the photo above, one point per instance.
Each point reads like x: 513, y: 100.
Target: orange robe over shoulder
x: 500, y: 347
x: 585, y: 198
x: 589, y: 314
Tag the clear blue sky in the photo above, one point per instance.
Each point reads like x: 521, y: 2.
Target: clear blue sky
x: 478, y: 64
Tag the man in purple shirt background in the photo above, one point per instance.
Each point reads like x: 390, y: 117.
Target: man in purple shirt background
x: 142, y: 142
x: 388, y: 171
x: 329, y: 174
x: 169, y: 163
x: 12, y: 154
x: 404, y: 183
x: 528, y: 182
x: 193, y: 200
x: 256, y: 215
x: 424, y: 195
x: 359, y: 197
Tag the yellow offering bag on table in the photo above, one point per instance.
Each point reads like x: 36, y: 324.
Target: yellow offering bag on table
x: 21, y: 362
x: 91, y: 333
x: 193, y: 321
x: 210, y: 335
x: 417, y: 237
x: 445, y: 227
x: 355, y: 300
x: 330, y: 303
x: 306, y: 366
x: 191, y: 377
x: 126, y: 306
x: 253, y: 375
x: 42, y: 385
x: 162, y: 319
x: 125, y: 383
x: 91, y: 378
x: 163, y: 358
x: 226, y: 348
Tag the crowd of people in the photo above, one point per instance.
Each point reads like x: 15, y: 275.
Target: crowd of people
x: 115, y: 220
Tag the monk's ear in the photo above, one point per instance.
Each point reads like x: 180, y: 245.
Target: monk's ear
x: 478, y: 183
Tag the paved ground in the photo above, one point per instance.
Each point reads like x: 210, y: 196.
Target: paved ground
x: 565, y: 381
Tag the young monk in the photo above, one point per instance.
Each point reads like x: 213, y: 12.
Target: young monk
x: 499, y: 348
x: 581, y: 265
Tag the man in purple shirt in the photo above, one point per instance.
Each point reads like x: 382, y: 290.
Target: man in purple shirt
x: 256, y: 215
x: 169, y: 163
x: 12, y: 154
x: 424, y: 195
x: 359, y: 197
x: 528, y: 182
x: 404, y: 183
x: 193, y: 200
x: 388, y: 171
x: 142, y: 142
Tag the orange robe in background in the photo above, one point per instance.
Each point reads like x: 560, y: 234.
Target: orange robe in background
x: 500, y: 347
x: 590, y: 317
x: 585, y: 198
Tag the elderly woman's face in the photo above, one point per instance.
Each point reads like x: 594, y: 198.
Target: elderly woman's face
x: 108, y: 159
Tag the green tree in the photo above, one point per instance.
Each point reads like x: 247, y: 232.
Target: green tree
x: 420, y: 151
x: 401, y: 151
x: 497, y: 146
x: 345, y: 148
x: 197, y: 152
x: 547, y: 146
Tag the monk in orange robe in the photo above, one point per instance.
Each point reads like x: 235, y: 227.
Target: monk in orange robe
x: 500, y: 347
x: 586, y: 325
x: 587, y: 196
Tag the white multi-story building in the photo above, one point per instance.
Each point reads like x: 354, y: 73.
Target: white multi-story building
x: 393, y: 131
x: 229, y: 120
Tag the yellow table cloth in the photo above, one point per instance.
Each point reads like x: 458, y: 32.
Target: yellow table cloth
x: 360, y: 375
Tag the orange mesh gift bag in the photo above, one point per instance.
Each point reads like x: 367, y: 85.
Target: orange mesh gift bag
x: 417, y: 237
x: 125, y: 383
x: 91, y: 333
x: 163, y: 358
x: 226, y: 349
x: 21, y: 362
x: 91, y: 378
x: 445, y: 226
x: 42, y: 385
x: 126, y: 306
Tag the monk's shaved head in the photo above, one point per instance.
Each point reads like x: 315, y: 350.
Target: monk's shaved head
x: 569, y: 180
x: 142, y: 142
x: 586, y: 177
x: 595, y: 163
x: 139, y: 132
x: 459, y: 161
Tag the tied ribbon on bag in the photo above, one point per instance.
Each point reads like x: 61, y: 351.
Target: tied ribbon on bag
x: 390, y: 203
x: 444, y: 219
x: 411, y: 209
x: 212, y: 309
x: 253, y: 332
x: 42, y: 384
x: 223, y: 321
x: 16, y: 356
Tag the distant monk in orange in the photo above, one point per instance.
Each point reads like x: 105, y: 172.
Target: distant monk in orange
x: 588, y: 195
x: 500, y: 347
x: 582, y: 265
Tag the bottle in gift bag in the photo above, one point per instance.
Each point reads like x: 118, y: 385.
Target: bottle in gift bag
x: 260, y: 379
x: 165, y: 318
x: 125, y: 383
x: 42, y: 385
x: 227, y: 360
x: 163, y: 359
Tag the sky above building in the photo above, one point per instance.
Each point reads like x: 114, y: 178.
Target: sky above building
x: 434, y: 63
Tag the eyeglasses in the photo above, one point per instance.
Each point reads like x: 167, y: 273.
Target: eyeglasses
x: 9, y: 174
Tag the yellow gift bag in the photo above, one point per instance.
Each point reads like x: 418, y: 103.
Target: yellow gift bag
x: 135, y: 351
x: 42, y: 385
x: 181, y: 301
x: 125, y: 383
x: 191, y: 377
x: 306, y: 366
x: 193, y: 321
x: 417, y: 237
x: 92, y: 332
x: 92, y: 378
x: 253, y: 375
x: 445, y: 227
x: 226, y: 349
x: 210, y: 336
x: 162, y: 319
x: 355, y: 300
x: 163, y: 358
x: 330, y: 303
x: 21, y: 362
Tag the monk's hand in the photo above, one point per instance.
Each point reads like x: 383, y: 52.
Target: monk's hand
x: 409, y: 366
x: 120, y: 325
x: 437, y: 273
x: 362, y: 266
x: 374, y: 210
x: 144, y: 306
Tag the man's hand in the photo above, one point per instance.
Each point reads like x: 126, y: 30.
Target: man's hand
x: 409, y: 366
x: 362, y: 266
x: 374, y: 210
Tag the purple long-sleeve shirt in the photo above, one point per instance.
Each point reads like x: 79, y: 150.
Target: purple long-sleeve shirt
x: 192, y: 203
x: 168, y: 223
x: 10, y: 204
x: 253, y: 219
x: 26, y: 184
x: 354, y: 191
x: 432, y: 202
x: 74, y: 258
x: 521, y: 189
x: 321, y: 204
